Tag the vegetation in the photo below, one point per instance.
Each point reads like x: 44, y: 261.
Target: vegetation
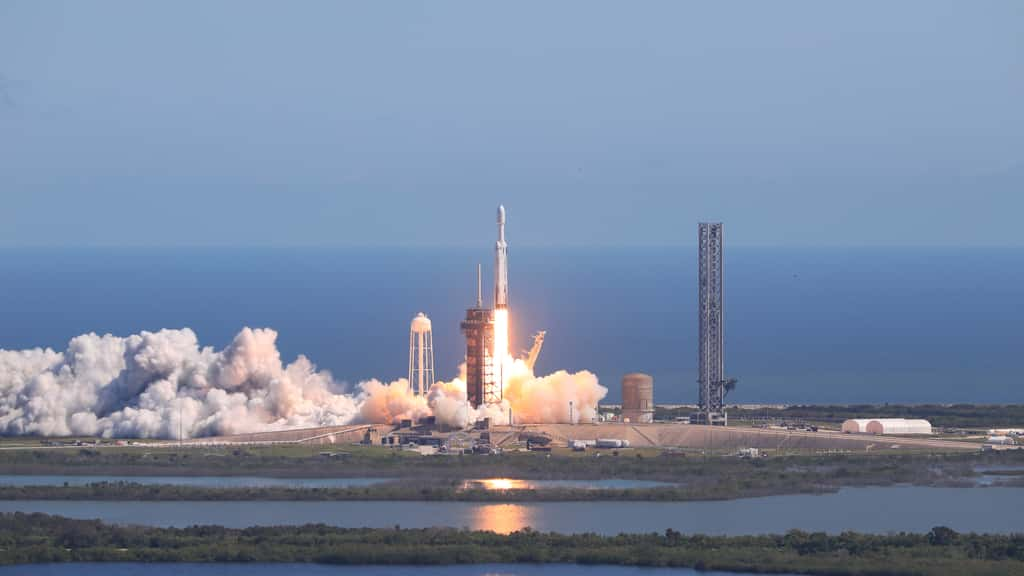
x: 359, y: 461
x: 978, y: 416
x: 122, y: 491
x: 691, y: 479
x: 694, y: 478
x: 35, y: 538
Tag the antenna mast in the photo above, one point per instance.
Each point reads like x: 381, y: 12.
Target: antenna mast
x: 479, y: 288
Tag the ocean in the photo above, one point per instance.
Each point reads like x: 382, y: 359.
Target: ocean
x: 814, y: 325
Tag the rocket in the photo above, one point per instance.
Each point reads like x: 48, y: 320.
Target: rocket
x: 501, y: 264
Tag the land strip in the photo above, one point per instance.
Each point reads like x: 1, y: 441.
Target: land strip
x: 443, y: 478
x: 35, y: 538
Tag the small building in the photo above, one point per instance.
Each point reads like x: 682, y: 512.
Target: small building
x: 999, y: 440
x: 887, y: 426
x: 1006, y: 432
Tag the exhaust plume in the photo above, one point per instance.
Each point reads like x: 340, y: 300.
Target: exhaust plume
x: 152, y: 384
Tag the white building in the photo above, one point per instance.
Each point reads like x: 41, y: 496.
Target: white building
x: 856, y: 426
x: 1006, y: 432
x: 999, y: 440
x: 887, y: 426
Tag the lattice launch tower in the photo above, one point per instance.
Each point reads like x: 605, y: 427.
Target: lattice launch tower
x: 711, y: 381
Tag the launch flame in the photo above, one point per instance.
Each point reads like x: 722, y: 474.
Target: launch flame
x: 502, y: 359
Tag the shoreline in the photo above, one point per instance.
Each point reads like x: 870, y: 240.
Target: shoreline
x: 396, y: 491
x: 689, y: 479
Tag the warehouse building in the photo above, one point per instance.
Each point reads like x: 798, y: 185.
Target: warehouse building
x: 886, y: 426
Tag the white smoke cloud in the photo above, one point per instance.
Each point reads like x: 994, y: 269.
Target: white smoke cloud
x: 148, y: 384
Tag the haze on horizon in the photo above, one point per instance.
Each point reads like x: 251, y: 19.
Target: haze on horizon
x: 259, y: 123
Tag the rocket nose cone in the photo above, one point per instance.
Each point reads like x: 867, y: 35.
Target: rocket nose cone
x: 501, y: 214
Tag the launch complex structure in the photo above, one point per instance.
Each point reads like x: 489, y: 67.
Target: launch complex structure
x: 712, y: 383
x: 487, y: 360
x: 487, y: 331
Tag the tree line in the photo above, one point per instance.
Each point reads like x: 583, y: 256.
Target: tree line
x: 34, y: 538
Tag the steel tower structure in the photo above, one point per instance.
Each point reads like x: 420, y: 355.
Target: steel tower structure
x: 421, y: 355
x: 486, y: 327
x: 711, y: 378
x: 478, y: 327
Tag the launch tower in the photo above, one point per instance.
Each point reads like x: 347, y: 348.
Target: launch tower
x: 711, y: 379
x: 478, y: 327
x: 487, y: 331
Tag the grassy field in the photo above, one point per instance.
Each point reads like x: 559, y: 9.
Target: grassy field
x: 961, y: 416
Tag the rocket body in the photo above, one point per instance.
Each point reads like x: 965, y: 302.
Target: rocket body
x: 500, y: 356
x: 501, y: 264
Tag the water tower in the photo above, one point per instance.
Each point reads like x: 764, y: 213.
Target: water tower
x: 421, y: 355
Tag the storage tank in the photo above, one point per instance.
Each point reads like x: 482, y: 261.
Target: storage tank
x: 638, y: 397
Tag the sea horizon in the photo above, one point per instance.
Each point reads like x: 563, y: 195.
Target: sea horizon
x: 804, y: 324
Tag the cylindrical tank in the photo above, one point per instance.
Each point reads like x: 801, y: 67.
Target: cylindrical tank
x: 637, y: 397
x: 421, y: 355
x: 420, y: 323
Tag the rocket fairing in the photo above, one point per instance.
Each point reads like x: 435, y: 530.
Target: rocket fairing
x: 501, y: 264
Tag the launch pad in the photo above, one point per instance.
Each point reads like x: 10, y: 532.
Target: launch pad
x: 716, y: 439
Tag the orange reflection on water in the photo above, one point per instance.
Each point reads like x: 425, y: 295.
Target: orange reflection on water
x: 501, y: 518
x: 499, y: 484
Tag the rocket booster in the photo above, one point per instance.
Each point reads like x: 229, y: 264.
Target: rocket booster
x: 501, y: 264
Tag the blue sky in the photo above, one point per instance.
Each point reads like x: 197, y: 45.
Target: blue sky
x: 367, y: 123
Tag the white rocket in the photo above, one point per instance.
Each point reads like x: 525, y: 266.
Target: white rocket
x: 501, y: 264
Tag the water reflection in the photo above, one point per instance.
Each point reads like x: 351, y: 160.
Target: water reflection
x: 502, y: 484
x: 501, y: 518
x: 498, y: 484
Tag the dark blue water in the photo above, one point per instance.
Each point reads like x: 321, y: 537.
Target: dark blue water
x: 112, y: 569
x: 811, y: 325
